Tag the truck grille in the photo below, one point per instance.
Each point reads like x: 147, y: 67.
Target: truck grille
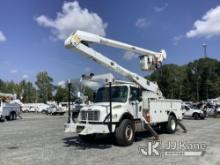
x: 92, y: 115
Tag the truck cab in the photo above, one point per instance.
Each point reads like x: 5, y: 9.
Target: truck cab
x: 125, y: 99
x: 129, y: 106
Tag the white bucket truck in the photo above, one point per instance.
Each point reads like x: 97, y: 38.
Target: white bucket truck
x: 122, y: 108
x: 9, y: 109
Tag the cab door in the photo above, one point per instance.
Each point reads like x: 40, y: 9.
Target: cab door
x: 135, y: 102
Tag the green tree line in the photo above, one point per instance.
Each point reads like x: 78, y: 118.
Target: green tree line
x: 41, y: 91
x: 196, y: 81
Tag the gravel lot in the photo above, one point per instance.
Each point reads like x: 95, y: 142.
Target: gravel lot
x: 40, y: 139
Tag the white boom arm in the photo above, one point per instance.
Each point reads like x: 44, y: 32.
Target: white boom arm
x: 96, y: 81
x: 80, y: 40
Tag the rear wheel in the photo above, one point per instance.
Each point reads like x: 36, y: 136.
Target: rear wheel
x: 125, y: 133
x: 11, y: 116
x: 14, y: 116
x: 171, y: 124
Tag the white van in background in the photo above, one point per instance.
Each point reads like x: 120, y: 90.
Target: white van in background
x: 65, y: 105
x: 54, y: 108
x: 42, y: 108
x: 193, y: 112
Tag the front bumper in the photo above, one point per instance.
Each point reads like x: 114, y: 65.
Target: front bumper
x: 87, y: 128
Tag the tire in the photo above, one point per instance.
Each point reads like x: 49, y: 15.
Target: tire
x: 171, y: 124
x: 196, y: 116
x: 44, y: 111
x: 61, y: 114
x: 87, y: 138
x: 14, y: 116
x: 11, y: 116
x: 125, y: 133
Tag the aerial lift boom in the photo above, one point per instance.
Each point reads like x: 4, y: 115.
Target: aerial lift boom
x: 149, y: 60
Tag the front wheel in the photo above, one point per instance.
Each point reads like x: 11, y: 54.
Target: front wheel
x: 125, y: 133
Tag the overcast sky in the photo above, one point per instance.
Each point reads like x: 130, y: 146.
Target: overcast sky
x: 32, y: 33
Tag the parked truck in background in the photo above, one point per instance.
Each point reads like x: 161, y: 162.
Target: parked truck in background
x: 9, y: 109
x: 193, y: 112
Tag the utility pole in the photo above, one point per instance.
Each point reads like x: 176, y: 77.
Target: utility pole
x: 197, y: 90
x: 205, y: 51
x: 110, y: 106
x: 69, y: 99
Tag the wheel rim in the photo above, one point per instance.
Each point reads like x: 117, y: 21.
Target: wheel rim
x: 173, y: 124
x: 129, y: 132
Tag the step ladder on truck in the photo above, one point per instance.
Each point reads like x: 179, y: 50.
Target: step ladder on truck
x: 122, y: 108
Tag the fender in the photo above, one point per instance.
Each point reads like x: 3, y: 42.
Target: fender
x: 126, y: 115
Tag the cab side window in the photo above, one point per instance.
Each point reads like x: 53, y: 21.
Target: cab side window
x: 135, y: 94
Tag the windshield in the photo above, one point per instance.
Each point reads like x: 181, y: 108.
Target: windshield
x: 78, y: 101
x: 119, y: 94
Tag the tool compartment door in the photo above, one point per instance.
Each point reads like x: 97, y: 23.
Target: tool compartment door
x: 161, y: 108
